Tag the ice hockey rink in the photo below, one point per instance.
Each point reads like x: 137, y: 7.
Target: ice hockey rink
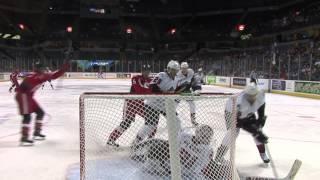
x: 293, y: 126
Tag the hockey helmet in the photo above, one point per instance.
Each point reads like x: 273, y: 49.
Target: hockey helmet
x: 173, y: 65
x: 184, y: 65
x: 251, y: 89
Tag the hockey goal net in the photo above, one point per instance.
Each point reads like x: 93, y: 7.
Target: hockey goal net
x: 177, y: 149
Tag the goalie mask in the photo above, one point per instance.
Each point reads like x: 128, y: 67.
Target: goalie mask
x: 173, y: 67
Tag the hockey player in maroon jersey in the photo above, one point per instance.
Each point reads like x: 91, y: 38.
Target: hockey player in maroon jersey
x: 27, y: 104
x: 14, y: 80
x: 132, y: 106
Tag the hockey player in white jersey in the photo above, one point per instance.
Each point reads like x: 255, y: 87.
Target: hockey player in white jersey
x: 164, y: 82
x: 189, y: 82
x: 249, y: 102
x: 196, y: 153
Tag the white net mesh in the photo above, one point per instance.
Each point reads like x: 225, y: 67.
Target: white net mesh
x: 126, y: 136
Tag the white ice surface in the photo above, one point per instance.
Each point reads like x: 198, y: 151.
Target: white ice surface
x: 293, y: 126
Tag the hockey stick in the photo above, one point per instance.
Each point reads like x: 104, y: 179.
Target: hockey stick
x: 273, y: 167
x: 291, y: 175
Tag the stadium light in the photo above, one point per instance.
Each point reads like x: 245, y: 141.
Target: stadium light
x: 241, y: 27
x: 173, y: 31
x: 129, y: 30
x: 69, y: 29
x: 21, y: 26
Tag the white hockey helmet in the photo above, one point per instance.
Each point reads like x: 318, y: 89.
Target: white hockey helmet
x: 173, y: 65
x: 251, y: 89
x: 184, y: 65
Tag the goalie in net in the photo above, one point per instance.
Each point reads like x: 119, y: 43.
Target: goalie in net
x: 196, y: 156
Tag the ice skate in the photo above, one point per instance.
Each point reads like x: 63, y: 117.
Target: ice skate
x: 39, y: 136
x: 24, y: 141
x: 112, y: 143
